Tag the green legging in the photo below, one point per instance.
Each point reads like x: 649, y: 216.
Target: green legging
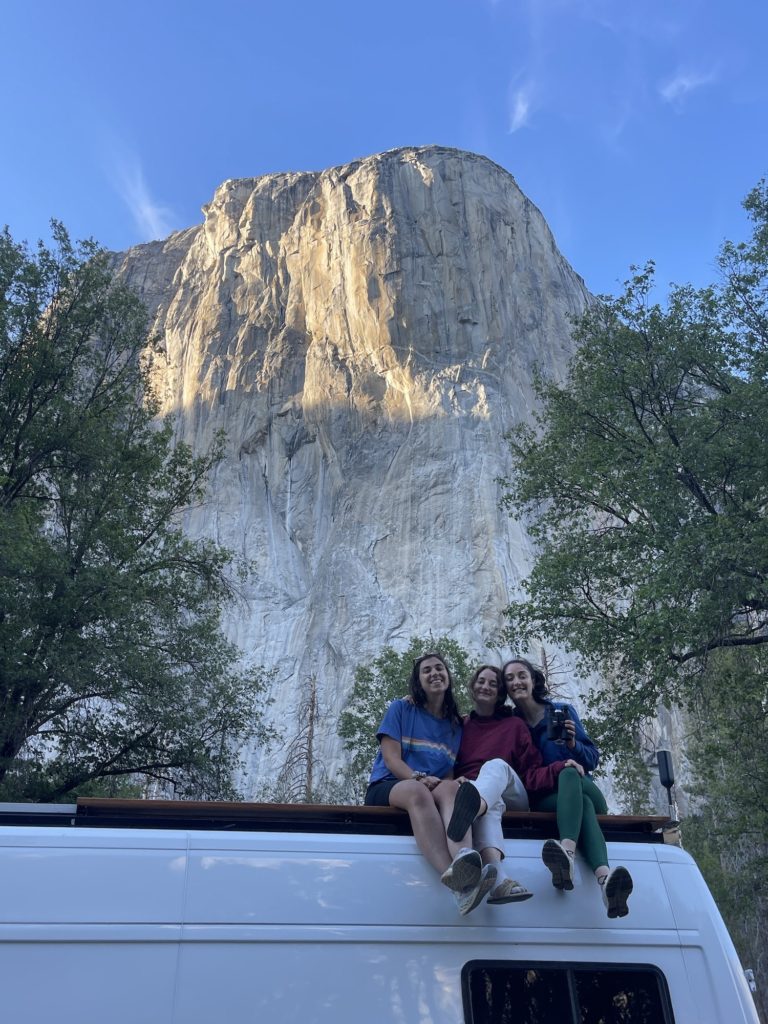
x: 577, y: 802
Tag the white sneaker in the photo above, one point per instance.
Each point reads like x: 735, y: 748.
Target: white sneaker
x: 473, y: 896
x: 616, y: 890
x: 466, y: 808
x: 560, y: 863
x: 464, y: 871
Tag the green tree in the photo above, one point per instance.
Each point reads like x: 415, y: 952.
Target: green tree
x: 727, y: 831
x: 112, y: 660
x: 644, y: 481
x: 377, y: 683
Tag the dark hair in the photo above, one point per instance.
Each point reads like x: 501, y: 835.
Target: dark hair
x: 501, y: 690
x: 540, y: 690
x: 450, y: 710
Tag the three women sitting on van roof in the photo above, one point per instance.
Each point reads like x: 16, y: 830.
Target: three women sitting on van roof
x: 497, y: 756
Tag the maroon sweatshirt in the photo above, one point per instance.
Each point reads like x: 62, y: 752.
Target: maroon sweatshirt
x: 509, y: 738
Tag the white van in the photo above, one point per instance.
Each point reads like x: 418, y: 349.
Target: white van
x: 152, y: 912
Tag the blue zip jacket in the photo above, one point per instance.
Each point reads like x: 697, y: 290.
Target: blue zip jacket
x: 585, y: 751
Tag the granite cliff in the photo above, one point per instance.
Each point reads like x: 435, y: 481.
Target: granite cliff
x: 364, y: 336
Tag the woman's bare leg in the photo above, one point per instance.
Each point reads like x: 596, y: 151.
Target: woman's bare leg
x: 426, y: 822
x: 445, y: 795
x: 491, y: 855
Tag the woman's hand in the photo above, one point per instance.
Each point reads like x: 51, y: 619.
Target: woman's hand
x: 430, y: 781
x: 569, y: 728
x: 570, y: 763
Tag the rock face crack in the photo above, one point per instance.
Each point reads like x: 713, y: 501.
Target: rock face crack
x: 365, y: 337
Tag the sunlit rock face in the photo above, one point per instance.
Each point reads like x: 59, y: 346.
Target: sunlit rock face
x: 365, y: 336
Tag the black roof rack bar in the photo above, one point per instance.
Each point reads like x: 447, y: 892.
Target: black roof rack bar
x: 38, y: 814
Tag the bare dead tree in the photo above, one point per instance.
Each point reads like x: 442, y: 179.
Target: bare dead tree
x: 297, y: 778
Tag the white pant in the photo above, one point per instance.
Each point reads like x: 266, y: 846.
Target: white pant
x: 500, y: 786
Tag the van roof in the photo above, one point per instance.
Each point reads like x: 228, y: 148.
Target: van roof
x: 96, y: 812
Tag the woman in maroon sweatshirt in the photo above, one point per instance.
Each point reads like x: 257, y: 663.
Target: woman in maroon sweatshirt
x: 499, y: 764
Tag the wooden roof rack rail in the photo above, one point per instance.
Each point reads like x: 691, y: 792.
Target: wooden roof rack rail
x: 94, y: 812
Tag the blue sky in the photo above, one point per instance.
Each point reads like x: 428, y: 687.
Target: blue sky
x: 637, y: 126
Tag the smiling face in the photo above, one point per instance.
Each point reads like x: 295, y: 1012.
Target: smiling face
x: 431, y: 686
x: 433, y: 676
x: 518, y: 681
x: 484, y: 691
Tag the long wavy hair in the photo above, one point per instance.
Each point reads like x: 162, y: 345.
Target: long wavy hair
x: 501, y: 707
x: 540, y: 691
x: 450, y: 710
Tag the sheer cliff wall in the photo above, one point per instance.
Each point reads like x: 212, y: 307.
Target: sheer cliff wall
x: 365, y: 336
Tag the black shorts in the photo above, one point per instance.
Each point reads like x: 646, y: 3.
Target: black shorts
x: 377, y: 794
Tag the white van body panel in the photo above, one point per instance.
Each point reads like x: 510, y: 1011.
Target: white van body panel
x: 148, y: 926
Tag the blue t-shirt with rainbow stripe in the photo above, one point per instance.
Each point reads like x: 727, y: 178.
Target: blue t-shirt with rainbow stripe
x: 428, y: 744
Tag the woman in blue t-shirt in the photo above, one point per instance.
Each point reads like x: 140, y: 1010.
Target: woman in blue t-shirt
x: 577, y: 801
x: 418, y: 741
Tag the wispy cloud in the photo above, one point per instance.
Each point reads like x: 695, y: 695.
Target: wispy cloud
x: 520, y: 101
x: 611, y: 127
x: 152, y: 219
x: 683, y: 83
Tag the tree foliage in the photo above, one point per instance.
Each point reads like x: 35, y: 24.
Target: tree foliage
x: 644, y: 480
x: 112, y: 660
x: 377, y: 683
x: 728, y: 830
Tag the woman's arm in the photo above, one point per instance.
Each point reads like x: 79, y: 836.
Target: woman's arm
x: 392, y: 751
x: 525, y: 757
x: 580, y: 747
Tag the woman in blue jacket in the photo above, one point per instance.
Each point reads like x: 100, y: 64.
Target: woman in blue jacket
x: 577, y: 801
